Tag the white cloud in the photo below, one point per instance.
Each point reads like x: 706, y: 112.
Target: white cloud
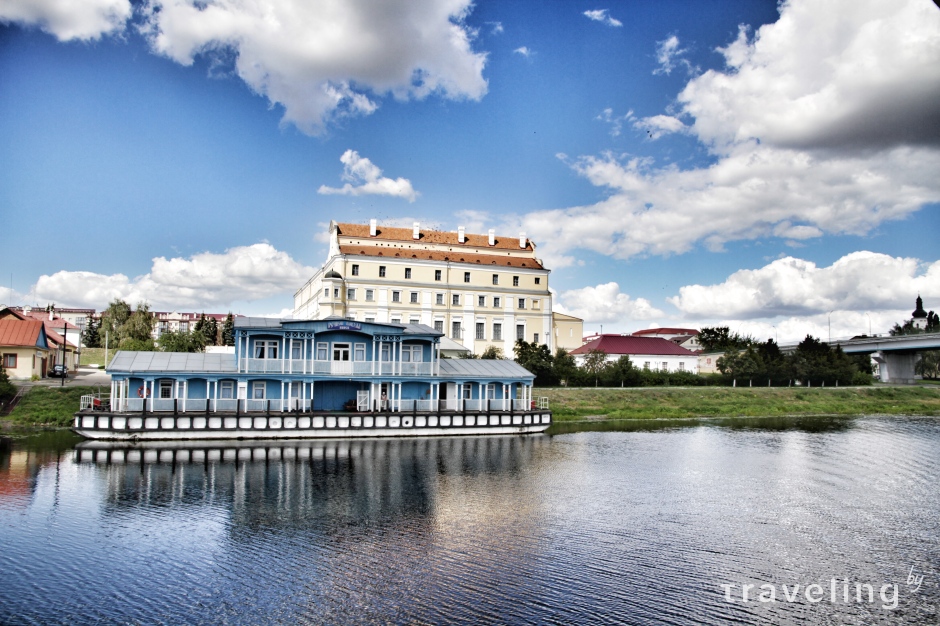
x: 204, y: 281
x: 496, y: 28
x: 320, y: 60
x: 658, y: 125
x: 669, y: 55
x: 861, y: 281
x: 365, y: 178
x: 524, y: 51
x: 602, y: 16
x: 827, y: 122
x: 84, y: 20
x: 605, y: 304
x: 616, y: 122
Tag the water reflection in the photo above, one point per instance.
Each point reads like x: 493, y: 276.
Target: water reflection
x: 805, y: 423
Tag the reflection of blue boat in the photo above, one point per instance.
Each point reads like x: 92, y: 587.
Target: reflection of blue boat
x: 324, y: 378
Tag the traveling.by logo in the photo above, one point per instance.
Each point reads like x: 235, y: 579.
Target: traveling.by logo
x: 839, y: 591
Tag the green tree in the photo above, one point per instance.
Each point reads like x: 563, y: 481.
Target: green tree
x: 594, y: 363
x: 113, y: 319
x: 564, y: 366
x: 7, y: 389
x: 182, y: 341
x: 721, y: 339
x: 90, y: 336
x: 623, y: 373
x: 536, y: 358
x: 211, y: 332
x: 928, y: 366
x: 492, y: 354
x: 139, y: 324
x: 228, y: 331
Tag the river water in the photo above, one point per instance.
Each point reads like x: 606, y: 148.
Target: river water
x: 831, y: 521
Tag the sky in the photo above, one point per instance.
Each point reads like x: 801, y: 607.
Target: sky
x: 770, y: 167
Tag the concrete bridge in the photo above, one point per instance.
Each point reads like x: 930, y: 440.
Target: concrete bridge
x: 895, y: 356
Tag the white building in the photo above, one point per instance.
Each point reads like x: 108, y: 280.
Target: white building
x: 651, y: 353
x: 480, y: 290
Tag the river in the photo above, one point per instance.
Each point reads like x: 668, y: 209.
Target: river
x: 829, y: 521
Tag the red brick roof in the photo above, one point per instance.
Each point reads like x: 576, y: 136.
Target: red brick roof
x: 619, y: 344
x: 457, y: 256
x: 390, y: 233
x: 14, y: 332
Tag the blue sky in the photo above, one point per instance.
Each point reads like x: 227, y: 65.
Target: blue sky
x: 772, y: 168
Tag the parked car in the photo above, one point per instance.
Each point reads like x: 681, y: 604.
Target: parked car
x: 59, y: 371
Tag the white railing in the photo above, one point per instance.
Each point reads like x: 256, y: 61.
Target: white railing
x: 162, y: 404
x: 334, y: 368
x: 472, y: 405
x: 255, y: 405
x: 542, y: 402
x: 225, y: 404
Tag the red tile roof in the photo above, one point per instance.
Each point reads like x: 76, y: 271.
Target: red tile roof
x: 620, y: 344
x: 457, y: 256
x: 390, y: 233
x: 14, y: 332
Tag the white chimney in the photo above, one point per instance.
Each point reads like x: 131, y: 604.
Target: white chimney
x: 51, y: 314
x: 460, y: 234
x: 492, y: 236
x: 373, y: 227
x: 522, y: 240
x: 416, y: 231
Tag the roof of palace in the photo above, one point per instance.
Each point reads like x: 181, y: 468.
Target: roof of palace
x: 455, y: 256
x: 439, y: 237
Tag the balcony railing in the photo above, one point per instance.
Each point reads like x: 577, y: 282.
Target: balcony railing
x: 335, y: 368
x: 231, y: 405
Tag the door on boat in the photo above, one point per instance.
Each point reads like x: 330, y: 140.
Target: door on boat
x: 341, y: 361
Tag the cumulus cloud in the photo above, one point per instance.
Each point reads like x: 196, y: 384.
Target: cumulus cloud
x: 203, y: 281
x: 605, y: 304
x: 322, y: 60
x: 365, y: 178
x: 602, y: 16
x: 85, y: 20
x: 524, y: 51
x: 824, y: 122
x: 669, y: 56
x: 860, y: 281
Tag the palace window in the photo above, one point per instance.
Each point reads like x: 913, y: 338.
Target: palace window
x: 414, y: 320
x: 520, y: 331
x: 515, y: 281
x: 455, y: 331
x: 480, y: 330
x: 381, y: 271
x: 407, y: 272
x: 437, y: 274
x: 466, y: 277
x: 370, y: 295
x: 326, y: 292
x: 439, y: 325
x: 439, y: 298
x: 350, y: 294
x: 481, y: 300
x: 497, y: 331
x: 370, y: 319
x: 355, y: 269
x: 521, y: 303
x: 538, y: 280
x: 456, y: 299
x: 535, y: 338
x: 496, y: 300
x: 495, y: 279
x: 414, y: 297
x: 396, y: 296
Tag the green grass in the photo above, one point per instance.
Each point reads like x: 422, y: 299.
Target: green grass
x: 95, y: 355
x: 709, y: 402
x: 48, y: 406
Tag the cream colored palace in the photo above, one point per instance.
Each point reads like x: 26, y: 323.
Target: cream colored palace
x: 479, y: 290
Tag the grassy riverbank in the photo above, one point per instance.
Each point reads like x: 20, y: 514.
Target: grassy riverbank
x: 691, y: 402
x: 54, y: 406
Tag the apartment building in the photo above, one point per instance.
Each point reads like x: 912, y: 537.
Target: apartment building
x: 480, y: 290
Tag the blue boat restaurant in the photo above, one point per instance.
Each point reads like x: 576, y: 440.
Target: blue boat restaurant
x: 300, y: 378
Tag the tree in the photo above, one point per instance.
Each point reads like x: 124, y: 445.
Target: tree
x: 90, y: 336
x: 182, y: 341
x: 7, y: 389
x: 211, y: 332
x: 228, y: 331
x: 594, y: 363
x: 113, y: 319
x: 721, y: 339
x: 622, y: 371
x: 492, y: 354
x: 564, y: 366
x: 139, y: 324
x: 928, y: 366
x: 536, y: 358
